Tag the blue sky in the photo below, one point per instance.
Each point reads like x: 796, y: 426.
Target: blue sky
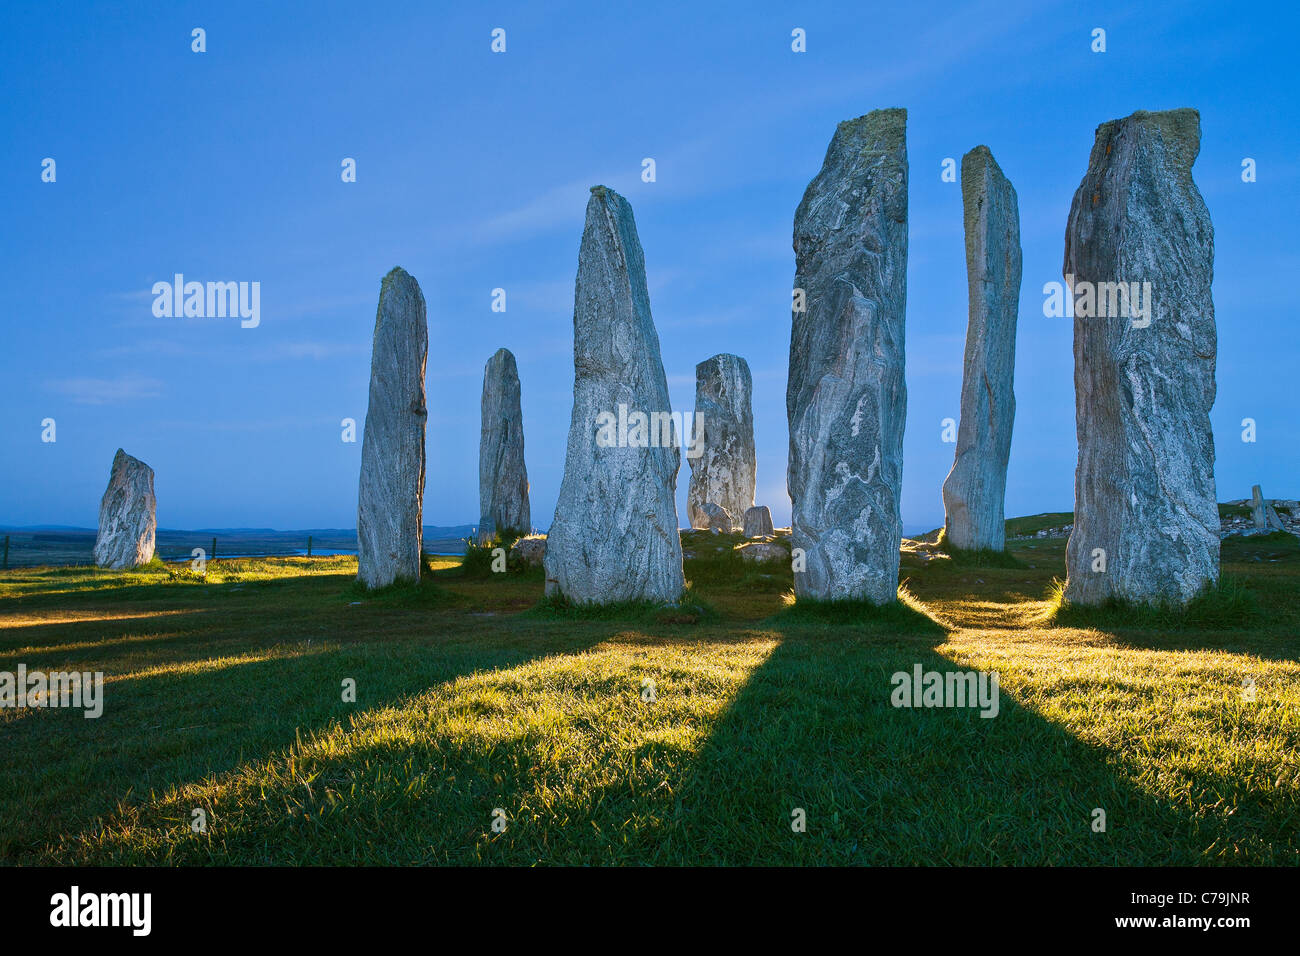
x: 472, y: 173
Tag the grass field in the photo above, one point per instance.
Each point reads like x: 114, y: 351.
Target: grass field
x: 225, y: 695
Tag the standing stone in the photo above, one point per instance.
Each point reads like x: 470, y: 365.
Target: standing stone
x: 390, y: 501
x: 127, y: 516
x: 502, y: 477
x: 723, y: 471
x: 758, y: 522
x: 1139, y: 257
x: 615, y: 536
x: 846, y: 398
x: 1257, y: 513
x: 975, y: 490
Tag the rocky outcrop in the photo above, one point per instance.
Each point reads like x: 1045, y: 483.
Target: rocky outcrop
x: 390, y: 499
x: 846, y: 398
x: 724, y: 470
x: 1139, y: 256
x: 530, y: 550
x: 502, y: 477
x: 758, y: 522
x: 127, y: 516
x: 975, y: 490
x: 714, y: 517
x: 615, y: 537
x: 763, y: 551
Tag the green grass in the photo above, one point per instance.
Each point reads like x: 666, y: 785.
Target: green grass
x: 713, y: 562
x: 1032, y: 523
x: 1021, y: 526
x: 636, y: 738
x: 904, y: 616
x: 480, y: 561
x: 688, y: 610
x: 1228, y: 604
x: 977, y: 557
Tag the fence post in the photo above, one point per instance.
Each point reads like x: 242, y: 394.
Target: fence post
x: 6, y: 564
x: 309, y: 546
x: 214, y: 550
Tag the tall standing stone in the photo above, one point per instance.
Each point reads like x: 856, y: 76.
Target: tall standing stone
x: 1139, y: 256
x: 615, y: 536
x: 975, y: 490
x: 723, y: 471
x: 390, y: 500
x: 127, y: 515
x: 846, y: 398
x: 502, y: 477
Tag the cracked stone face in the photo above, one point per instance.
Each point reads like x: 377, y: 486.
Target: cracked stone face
x: 758, y: 522
x: 614, y: 537
x: 975, y: 489
x: 724, y: 471
x: 127, y: 516
x: 391, y: 493
x: 502, y: 477
x: 846, y: 398
x: 1146, y: 520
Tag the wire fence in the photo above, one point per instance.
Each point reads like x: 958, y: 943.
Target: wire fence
x: 27, y: 549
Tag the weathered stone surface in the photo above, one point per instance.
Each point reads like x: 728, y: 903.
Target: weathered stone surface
x: 390, y: 499
x: 846, y: 398
x: 975, y: 489
x: 1271, y: 519
x: 615, y: 536
x: 724, y: 470
x: 486, y: 532
x: 760, y: 551
x: 1263, y: 513
x: 758, y: 522
x: 1144, y: 382
x: 714, y: 517
x: 530, y: 550
x: 502, y: 477
x: 127, y: 515
x: 1257, y: 507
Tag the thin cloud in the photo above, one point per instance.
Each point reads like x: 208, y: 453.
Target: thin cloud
x: 106, y: 391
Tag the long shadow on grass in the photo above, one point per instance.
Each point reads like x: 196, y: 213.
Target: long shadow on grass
x: 813, y: 730
x: 171, y: 729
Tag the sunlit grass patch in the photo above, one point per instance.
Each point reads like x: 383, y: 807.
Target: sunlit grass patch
x: 1225, y: 605
x: 977, y: 557
x: 688, y: 610
x: 575, y: 749
x: 906, y: 615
